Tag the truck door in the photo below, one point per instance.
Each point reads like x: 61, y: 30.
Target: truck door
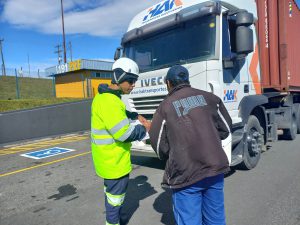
x: 235, y: 75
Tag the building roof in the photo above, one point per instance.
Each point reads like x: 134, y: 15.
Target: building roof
x: 80, y: 64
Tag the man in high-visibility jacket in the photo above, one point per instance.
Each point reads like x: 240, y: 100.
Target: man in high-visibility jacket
x: 112, y: 134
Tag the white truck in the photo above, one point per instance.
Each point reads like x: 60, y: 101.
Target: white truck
x: 243, y: 51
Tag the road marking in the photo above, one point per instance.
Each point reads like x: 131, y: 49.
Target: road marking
x: 45, y: 153
x: 43, y: 164
x: 31, y: 146
x: 8, y: 152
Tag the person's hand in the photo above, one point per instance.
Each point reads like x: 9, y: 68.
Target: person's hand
x: 142, y: 119
x: 147, y: 125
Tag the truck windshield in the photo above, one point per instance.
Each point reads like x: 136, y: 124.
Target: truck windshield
x: 188, y: 42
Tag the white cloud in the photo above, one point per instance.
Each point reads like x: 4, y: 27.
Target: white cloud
x: 94, y: 17
x: 29, y: 13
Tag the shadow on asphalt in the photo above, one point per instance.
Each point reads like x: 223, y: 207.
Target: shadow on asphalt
x: 163, y: 205
x: 138, y: 189
x: 151, y: 162
x: 231, y: 172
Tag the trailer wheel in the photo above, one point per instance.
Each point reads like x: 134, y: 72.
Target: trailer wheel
x: 298, y: 120
x: 253, y: 144
x: 290, y: 134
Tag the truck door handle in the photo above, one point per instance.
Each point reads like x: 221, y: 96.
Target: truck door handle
x: 246, y: 88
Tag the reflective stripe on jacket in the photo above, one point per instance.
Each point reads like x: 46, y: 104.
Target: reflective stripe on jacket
x: 109, y: 128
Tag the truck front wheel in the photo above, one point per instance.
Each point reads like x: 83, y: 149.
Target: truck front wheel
x: 253, y: 143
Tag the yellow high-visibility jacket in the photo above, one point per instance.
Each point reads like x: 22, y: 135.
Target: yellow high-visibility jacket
x: 110, y: 127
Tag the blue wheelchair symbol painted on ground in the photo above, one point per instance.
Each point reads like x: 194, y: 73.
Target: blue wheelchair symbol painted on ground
x: 47, y: 153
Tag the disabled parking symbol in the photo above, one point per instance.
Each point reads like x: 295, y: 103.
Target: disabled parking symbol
x: 45, y: 153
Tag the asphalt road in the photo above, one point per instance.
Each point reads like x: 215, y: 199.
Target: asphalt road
x: 64, y: 190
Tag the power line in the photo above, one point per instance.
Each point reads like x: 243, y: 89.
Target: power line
x: 58, y: 51
x: 3, y: 64
x: 70, y: 49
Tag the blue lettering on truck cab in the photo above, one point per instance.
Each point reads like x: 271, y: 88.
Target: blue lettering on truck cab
x: 162, y: 7
x: 230, y: 95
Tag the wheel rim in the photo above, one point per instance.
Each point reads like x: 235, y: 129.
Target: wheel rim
x: 254, y: 142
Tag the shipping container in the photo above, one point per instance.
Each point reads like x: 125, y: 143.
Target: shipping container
x: 279, y: 39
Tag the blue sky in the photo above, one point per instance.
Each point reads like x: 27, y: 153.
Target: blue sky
x: 32, y: 28
x: 298, y: 3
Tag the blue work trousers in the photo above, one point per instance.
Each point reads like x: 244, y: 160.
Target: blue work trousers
x: 115, y: 190
x: 201, y: 203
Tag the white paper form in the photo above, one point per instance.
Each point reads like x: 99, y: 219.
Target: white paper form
x: 136, y: 122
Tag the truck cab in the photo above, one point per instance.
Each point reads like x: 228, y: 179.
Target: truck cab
x: 216, y: 41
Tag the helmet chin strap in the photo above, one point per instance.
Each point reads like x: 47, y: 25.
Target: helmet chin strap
x: 117, y: 80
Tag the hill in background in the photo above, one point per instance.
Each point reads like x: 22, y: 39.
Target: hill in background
x: 29, y: 88
x: 33, y: 92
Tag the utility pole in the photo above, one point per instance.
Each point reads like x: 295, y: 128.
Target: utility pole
x: 63, y: 27
x: 58, y: 51
x: 70, y: 49
x: 3, y: 64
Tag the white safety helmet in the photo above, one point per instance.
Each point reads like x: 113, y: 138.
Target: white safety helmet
x: 128, y: 67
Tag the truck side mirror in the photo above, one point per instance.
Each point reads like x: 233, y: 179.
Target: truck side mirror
x: 244, y: 19
x: 117, y: 53
x: 244, y: 34
x: 244, y: 40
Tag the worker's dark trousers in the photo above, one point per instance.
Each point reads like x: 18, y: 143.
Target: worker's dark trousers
x: 114, y: 190
x: 201, y: 203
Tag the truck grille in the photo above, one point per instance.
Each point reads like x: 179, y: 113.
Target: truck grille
x: 146, y: 105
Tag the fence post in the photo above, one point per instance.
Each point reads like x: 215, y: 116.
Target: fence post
x: 17, y: 84
x: 88, y: 87
x: 83, y: 90
x: 53, y: 87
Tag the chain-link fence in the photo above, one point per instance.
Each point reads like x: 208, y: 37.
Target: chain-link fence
x: 19, y: 84
x: 23, y: 73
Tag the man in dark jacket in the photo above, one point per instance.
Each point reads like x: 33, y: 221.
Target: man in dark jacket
x: 187, y: 130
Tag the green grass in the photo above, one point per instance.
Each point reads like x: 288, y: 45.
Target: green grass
x: 34, y: 92
x: 29, y: 88
x: 17, y: 104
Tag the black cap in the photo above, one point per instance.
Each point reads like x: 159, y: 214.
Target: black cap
x: 177, y: 73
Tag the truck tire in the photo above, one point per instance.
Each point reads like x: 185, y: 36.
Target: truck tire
x: 298, y: 121
x: 253, y: 144
x: 291, y: 133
